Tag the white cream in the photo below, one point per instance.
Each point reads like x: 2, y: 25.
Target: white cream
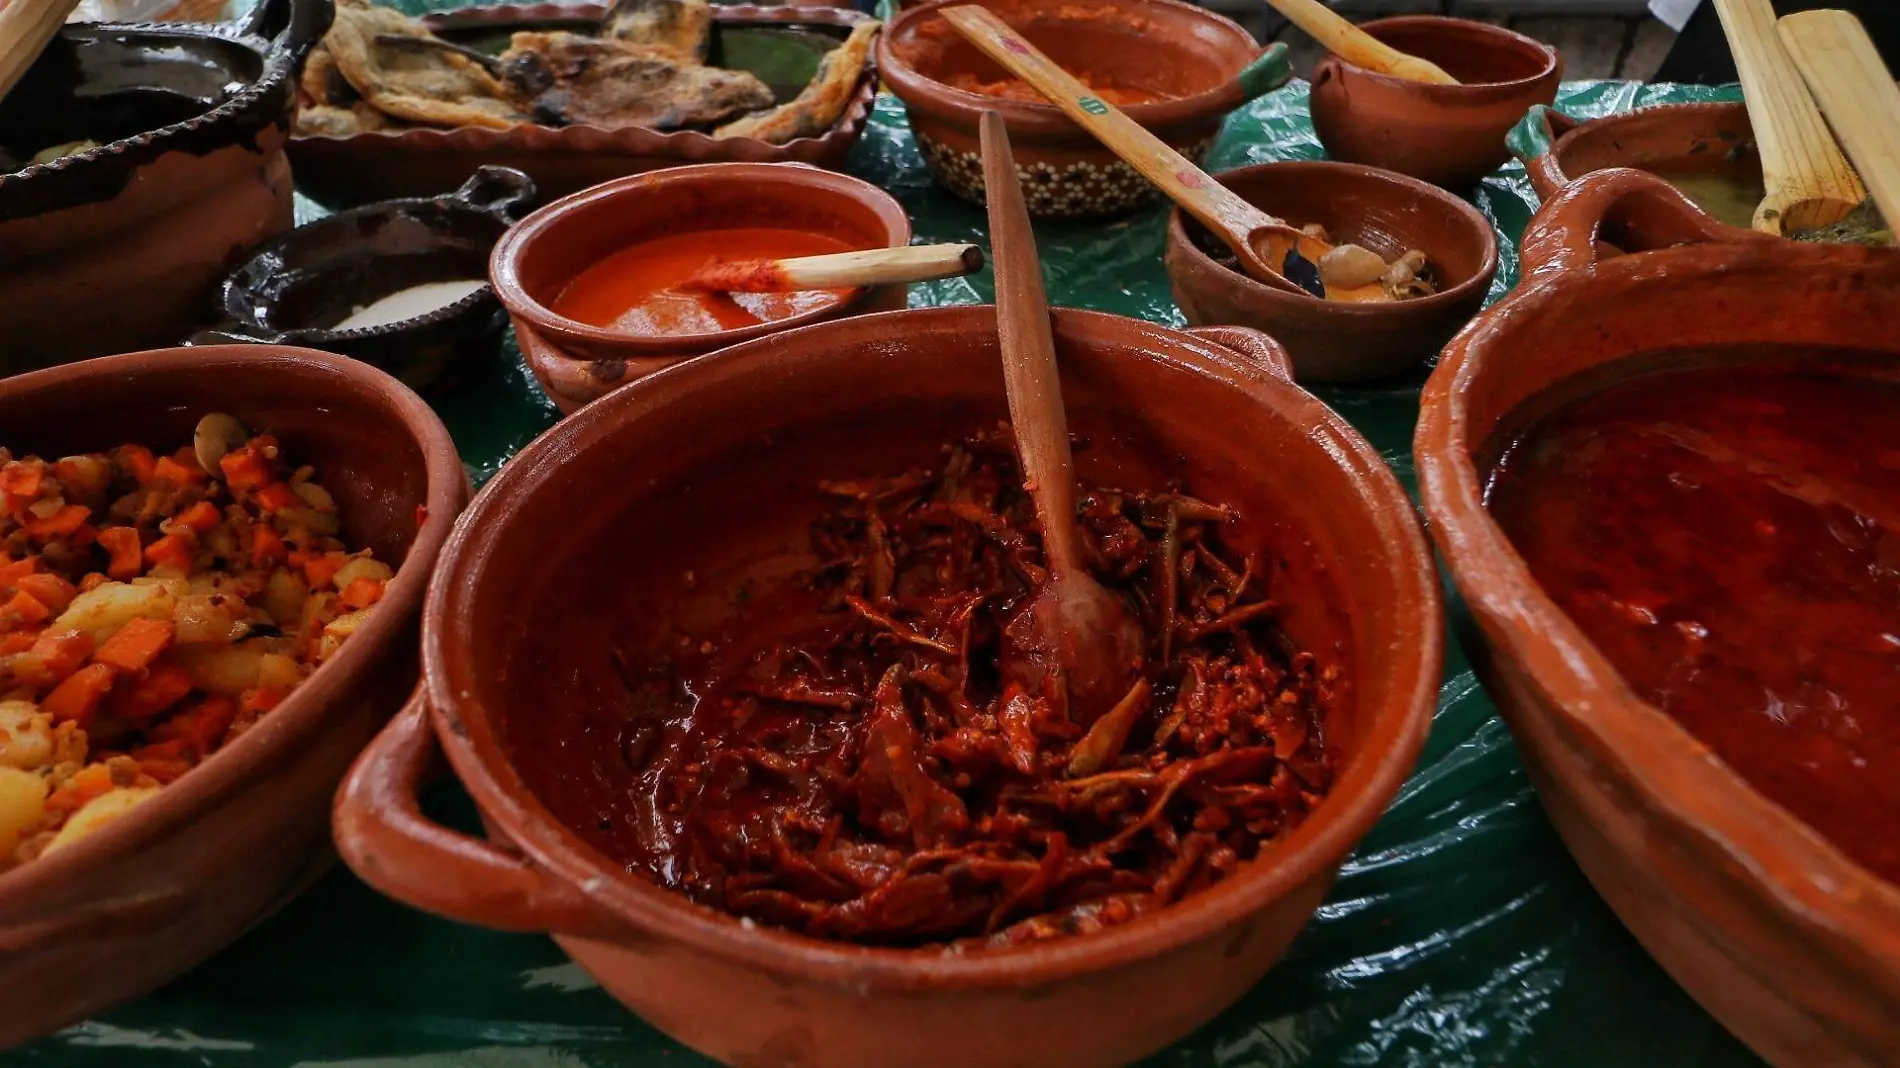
x: 410, y: 303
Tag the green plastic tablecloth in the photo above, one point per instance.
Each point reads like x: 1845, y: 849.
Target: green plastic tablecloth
x: 1460, y: 932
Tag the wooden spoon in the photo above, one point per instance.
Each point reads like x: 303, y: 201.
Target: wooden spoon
x: 1858, y: 94
x: 1071, y: 627
x: 1356, y: 46
x: 25, y: 27
x: 1808, y: 180
x: 1269, y: 250
x: 841, y: 270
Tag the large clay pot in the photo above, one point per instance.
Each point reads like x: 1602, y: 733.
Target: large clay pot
x: 1793, y: 946
x: 758, y: 423
x: 138, y: 903
x: 122, y: 247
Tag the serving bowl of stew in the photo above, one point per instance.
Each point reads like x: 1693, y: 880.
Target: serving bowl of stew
x: 1674, y: 530
x: 822, y: 533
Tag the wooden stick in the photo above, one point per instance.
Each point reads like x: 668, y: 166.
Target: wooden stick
x: 25, y: 28
x: 1356, y: 46
x: 1808, y: 180
x: 1858, y: 94
x: 841, y: 270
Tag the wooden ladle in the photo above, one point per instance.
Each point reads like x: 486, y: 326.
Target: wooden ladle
x: 1356, y: 46
x: 1857, y: 92
x: 1071, y: 627
x: 25, y: 27
x: 1808, y: 181
x: 841, y: 270
x: 1268, y: 249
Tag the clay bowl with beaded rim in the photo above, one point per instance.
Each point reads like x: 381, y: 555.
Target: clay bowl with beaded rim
x: 653, y: 470
x: 1448, y: 135
x: 1205, y: 65
x: 1714, y: 139
x: 121, y: 246
x: 1780, y: 935
x: 421, y: 161
x: 161, y: 889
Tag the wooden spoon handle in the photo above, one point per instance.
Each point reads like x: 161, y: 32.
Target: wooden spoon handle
x: 1799, y: 160
x: 843, y: 270
x: 1029, y: 352
x: 1356, y: 46
x: 25, y: 27
x: 1858, y: 94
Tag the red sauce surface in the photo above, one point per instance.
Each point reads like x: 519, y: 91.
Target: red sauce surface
x: 639, y: 290
x: 1731, y: 542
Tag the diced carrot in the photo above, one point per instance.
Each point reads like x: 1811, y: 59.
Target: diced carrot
x: 25, y: 608
x: 244, y: 470
x: 21, y: 480
x: 267, y: 546
x: 83, y: 536
x: 318, y: 571
x: 137, y: 462
x: 360, y: 593
x: 17, y: 642
x: 11, y: 574
x: 142, y: 698
x: 64, y: 521
x: 168, y: 469
x: 422, y: 514
x: 93, y: 780
x: 200, y: 517
x: 135, y: 645
x: 275, y: 497
x: 92, y: 581
x: 165, y: 771
x: 48, y: 589
x: 261, y: 699
x: 175, y: 549
x: 127, y: 556
x: 53, y: 656
x: 200, y: 727
x: 78, y: 697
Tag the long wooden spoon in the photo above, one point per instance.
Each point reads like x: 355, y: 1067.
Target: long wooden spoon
x: 1858, y: 94
x: 1269, y: 250
x: 841, y: 270
x: 25, y: 27
x: 1808, y: 180
x: 1071, y: 627
x: 1356, y: 46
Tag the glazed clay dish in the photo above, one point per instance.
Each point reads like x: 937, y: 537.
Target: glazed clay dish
x: 1449, y: 135
x: 147, y: 897
x: 706, y: 470
x: 1776, y: 930
x: 1715, y: 143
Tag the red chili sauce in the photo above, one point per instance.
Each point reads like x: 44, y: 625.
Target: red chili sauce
x: 641, y: 290
x: 1731, y: 542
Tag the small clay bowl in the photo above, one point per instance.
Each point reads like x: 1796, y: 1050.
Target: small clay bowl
x: 293, y: 290
x: 163, y: 888
x: 1448, y: 135
x: 1782, y: 937
x: 1386, y: 212
x: 1206, y: 64
x: 540, y: 256
x: 713, y: 460
x: 1677, y: 138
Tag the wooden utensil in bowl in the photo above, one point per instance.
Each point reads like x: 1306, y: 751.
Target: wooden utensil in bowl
x: 25, y: 27
x: 841, y: 270
x: 1356, y: 46
x: 1857, y: 92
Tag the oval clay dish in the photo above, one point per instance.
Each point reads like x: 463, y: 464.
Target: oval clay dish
x: 649, y: 474
x: 158, y: 891
x: 423, y: 161
x: 1789, y: 943
x: 1705, y: 138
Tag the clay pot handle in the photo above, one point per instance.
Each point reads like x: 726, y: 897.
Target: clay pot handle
x: 293, y: 26
x: 1564, y: 235
x: 501, y: 191
x: 383, y: 836
x: 1254, y: 347
x: 1269, y: 71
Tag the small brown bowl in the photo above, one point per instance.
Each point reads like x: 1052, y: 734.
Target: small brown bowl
x: 1206, y: 64
x: 546, y: 250
x: 1448, y: 135
x: 158, y: 891
x: 1693, y: 138
x: 1386, y: 212
x: 748, y: 430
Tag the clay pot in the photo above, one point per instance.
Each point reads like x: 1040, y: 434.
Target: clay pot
x: 1716, y: 138
x: 121, y: 247
x: 1207, y: 64
x: 756, y: 424
x: 1794, y: 947
x: 165, y: 887
x: 540, y: 256
x: 1388, y: 213
x: 423, y: 161
x: 295, y: 289
x: 1449, y: 135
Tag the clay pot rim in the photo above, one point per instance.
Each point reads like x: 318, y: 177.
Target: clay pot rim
x: 626, y: 902
x: 1464, y: 93
x: 966, y: 108
x: 1480, y: 280
x: 504, y: 262
x: 276, y: 738
x: 1804, y: 874
x: 1702, y: 109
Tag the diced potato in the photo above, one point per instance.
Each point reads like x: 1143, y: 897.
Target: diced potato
x: 22, y: 806
x: 98, y: 812
x: 315, y: 496
x: 318, y: 610
x: 340, y: 628
x: 26, y: 737
x: 362, y: 567
x: 91, y: 475
x: 199, y: 619
x: 228, y: 670
x: 178, y: 587
x: 284, y: 596
x: 309, y: 519
x: 278, y: 672
x: 106, y: 608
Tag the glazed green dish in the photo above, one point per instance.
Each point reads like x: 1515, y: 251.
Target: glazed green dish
x: 1460, y: 933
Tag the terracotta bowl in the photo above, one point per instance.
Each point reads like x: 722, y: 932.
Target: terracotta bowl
x: 1206, y: 63
x: 1449, y: 135
x: 1794, y: 947
x: 121, y: 247
x: 1388, y: 213
x: 160, y: 890
x: 1711, y: 138
x: 754, y: 425
x: 541, y: 255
